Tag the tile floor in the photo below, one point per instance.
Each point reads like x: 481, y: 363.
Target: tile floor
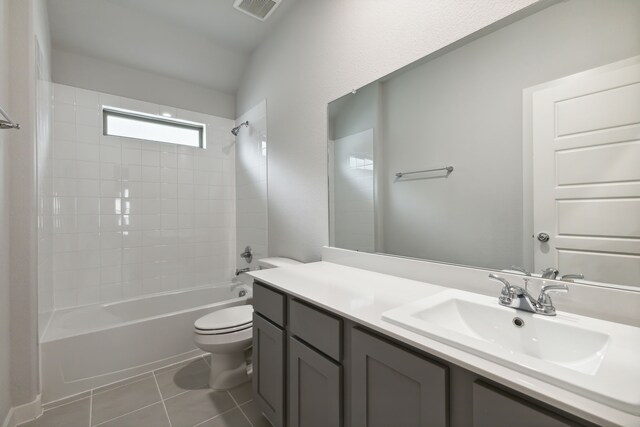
x: 175, y: 396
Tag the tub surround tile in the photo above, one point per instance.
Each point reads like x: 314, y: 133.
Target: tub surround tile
x: 193, y: 407
x: 75, y: 414
x: 121, y: 400
x: 193, y: 375
x: 150, y: 416
x: 113, y: 186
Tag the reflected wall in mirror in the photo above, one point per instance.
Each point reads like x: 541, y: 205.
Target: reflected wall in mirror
x: 533, y: 151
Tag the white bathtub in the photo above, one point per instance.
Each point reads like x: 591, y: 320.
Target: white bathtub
x: 90, y: 346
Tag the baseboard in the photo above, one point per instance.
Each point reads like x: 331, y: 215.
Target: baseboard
x: 23, y: 413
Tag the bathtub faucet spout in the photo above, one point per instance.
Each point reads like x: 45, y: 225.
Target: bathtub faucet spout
x: 239, y: 271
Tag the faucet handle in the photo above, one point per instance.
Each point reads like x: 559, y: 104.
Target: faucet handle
x: 520, y: 270
x: 544, y: 299
x: 572, y: 277
x: 506, y: 294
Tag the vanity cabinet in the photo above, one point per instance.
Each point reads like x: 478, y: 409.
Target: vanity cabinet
x: 315, y: 388
x: 493, y: 407
x: 269, y: 369
x: 392, y: 386
x: 297, y: 361
x: 313, y: 368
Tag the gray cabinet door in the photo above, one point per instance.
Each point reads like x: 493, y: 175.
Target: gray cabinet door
x: 315, y: 388
x: 269, y: 369
x: 496, y: 408
x: 391, y: 386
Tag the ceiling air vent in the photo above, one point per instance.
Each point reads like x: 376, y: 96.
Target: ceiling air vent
x: 259, y: 9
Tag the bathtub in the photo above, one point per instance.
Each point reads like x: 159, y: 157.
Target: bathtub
x: 90, y: 346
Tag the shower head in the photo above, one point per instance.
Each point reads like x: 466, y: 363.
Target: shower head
x: 236, y: 129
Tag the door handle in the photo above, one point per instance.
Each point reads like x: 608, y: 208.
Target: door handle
x: 543, y: 237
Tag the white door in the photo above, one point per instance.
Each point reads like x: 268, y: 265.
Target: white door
x: 586, y: 174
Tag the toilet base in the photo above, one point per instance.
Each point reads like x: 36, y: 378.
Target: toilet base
x: 227, y: 370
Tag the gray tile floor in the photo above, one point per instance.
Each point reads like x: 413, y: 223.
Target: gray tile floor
x: 175, y: 396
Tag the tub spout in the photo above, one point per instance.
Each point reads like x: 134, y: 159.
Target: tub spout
x: 239, y: 271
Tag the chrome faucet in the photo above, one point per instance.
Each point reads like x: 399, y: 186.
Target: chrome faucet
x: 519, y: 270
x: 552, y: 273
x: 247, y: 255
x: 545, y: 305
x: 239, y: 271
x: 520, y: 298
x: 571, y: 277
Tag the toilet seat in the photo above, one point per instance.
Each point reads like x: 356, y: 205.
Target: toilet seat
x: 223, y: 331
x: 225, y: 321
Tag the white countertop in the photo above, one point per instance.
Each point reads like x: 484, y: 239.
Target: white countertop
x: 363, y: 296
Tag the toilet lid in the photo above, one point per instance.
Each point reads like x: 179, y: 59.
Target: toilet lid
x: 227, y: 318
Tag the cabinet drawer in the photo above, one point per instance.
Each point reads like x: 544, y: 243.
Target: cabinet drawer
x: 269, y: 303
x: 317, y: 328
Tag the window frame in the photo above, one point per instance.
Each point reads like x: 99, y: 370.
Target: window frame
x: 153, y: 118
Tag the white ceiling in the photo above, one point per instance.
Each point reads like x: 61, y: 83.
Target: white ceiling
x: 205, y: 42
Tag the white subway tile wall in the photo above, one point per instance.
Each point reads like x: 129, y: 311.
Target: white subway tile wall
x: 133, y: 217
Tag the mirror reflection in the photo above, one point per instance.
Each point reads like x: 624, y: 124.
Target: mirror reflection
x: 518, y: 150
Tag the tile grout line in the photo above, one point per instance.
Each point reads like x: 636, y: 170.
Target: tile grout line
x: 238, y: 406
x: 162, y: 400
x: 245, y: 414
x: 213, y: 418
x: 176, y: 395
x: 91, y: 408
x: 48, y: 408
x: 124, y: 415
x: 123, y: 383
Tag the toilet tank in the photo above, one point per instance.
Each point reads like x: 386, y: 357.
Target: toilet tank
x: 275, y: 262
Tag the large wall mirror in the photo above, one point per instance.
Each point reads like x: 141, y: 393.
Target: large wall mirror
x: 519, y: 147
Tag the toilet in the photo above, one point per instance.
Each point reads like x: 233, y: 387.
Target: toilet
x: 227, y: 334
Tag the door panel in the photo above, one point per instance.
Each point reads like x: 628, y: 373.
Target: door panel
x: 599, y: 217
x: 624, y: 154
x: 585, y: 112
x: 586, y: 178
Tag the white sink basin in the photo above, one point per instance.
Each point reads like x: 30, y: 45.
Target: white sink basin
x: 592, y: 357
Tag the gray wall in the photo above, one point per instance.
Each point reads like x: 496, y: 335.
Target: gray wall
x: 94, y: 74
x: 352, y: 193
x: 465, y: 109
x: 320, y: 51
x: 354, y: 113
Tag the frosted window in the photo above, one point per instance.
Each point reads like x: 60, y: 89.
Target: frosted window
x: 152, y: 128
